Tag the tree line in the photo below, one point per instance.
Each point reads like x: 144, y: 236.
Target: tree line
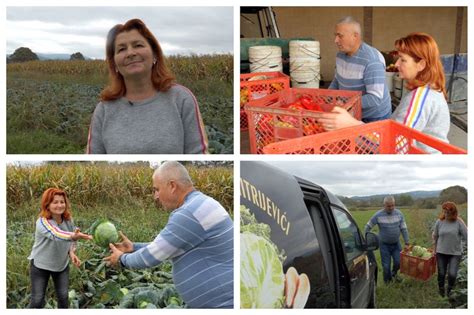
x: 24, y: 54
x: 457, y: 194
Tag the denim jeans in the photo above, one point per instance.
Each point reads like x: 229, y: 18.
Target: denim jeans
x: 447, y: 264
x: 369, y: 120
x: 387, y: 253
x: 39, y: 283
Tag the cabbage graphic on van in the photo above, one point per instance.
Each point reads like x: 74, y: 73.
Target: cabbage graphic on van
x: 263, y: 283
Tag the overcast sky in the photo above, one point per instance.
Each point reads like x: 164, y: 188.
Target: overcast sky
x: 370, y: 178
x: 180, y: 30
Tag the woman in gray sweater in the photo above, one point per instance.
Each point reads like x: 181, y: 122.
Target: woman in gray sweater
x: 450, y: 237
x: 142, y: 110
x: 55, y: 237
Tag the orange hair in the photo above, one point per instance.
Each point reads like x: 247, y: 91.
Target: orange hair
x: 161, y: 76
x: 46, y: 200
x: 421, y: 46
x: 450, y: 211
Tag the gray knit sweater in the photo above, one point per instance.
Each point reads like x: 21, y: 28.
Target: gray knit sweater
x: 167, y: 123
x: 52, y: 243
x: 450, y: 236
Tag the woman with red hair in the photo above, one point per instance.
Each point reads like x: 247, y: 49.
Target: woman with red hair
x: 142, y: 110
x: 424, y: 108
x: 54, y: 245
x: 449, y: 236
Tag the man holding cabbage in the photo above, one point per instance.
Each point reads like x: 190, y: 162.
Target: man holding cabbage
x: 198, y: 239
x: 391, y: 223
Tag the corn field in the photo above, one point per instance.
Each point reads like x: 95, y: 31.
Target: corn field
x: 91, y: 183
x: 193, y: 67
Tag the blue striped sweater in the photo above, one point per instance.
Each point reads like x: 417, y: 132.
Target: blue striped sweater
x: 199, y: 240
x: 390, y: 226
x: 364, y: 71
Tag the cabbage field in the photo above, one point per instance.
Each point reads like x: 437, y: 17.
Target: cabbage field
x: 118, y: 192
x: 50, y: 103
x: 407, y: 292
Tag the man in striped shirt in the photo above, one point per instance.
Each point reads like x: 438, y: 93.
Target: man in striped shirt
x: 198, y: 239
x: 391, y: 223
x: 360, y: 67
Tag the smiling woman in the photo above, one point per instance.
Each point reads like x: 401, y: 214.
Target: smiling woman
x: 142, y: 110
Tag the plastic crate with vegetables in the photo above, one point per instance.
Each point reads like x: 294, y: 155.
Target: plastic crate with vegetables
x: 418, y: 262
x: 293, y: 113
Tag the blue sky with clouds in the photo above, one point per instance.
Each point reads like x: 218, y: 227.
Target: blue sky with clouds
x: 361, y: 178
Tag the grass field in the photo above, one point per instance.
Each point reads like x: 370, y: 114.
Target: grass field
x: 121, y: 193
x: 50, y: 103
x: 410, y: 293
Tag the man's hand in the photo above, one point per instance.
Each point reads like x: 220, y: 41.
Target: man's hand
x: 114, y: 259
x: 78, y: 235
x: 297, y: 289
x: 74, y: 259
x: 125, y: 246
x: 336, y: 119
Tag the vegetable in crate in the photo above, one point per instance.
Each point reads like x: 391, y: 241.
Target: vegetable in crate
x: 305, y: 102
x: 420, y: 251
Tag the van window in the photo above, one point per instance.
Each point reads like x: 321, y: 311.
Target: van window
x: 349, y: 234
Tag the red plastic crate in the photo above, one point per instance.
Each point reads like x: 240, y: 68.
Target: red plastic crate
x: 270, y: 120
x: 416, y: 267
x: 382, y: 137
x: 255, y: 89
x: 244, y: 125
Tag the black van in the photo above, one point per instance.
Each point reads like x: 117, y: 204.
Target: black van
x: 313, y: 232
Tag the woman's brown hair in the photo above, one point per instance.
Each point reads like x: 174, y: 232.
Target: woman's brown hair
x: 421, y: 46
x: 450, y: 211
x: 47, y: 199
x: 161, y: 76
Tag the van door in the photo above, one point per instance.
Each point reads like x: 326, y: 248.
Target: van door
x: 357, y: 261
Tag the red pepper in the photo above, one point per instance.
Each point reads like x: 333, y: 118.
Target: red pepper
x: 306, y: 101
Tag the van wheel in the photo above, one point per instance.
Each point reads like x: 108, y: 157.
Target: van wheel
x: 372, y: 295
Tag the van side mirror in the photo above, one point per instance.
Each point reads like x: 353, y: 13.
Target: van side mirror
x: 372, y: 241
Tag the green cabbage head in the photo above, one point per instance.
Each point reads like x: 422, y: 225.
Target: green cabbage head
x: 261, y: 273
x: 105, y: 233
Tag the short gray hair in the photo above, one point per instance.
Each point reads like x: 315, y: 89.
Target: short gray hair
x: 352, y: 21
x: 173, y: 170
x: 388, y: 199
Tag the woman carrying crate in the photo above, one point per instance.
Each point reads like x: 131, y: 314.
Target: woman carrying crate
x: 449, y: 236
x: 424, y: 108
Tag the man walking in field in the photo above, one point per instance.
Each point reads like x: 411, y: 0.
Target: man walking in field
x: 198, y: 239
x: 391, y: 223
